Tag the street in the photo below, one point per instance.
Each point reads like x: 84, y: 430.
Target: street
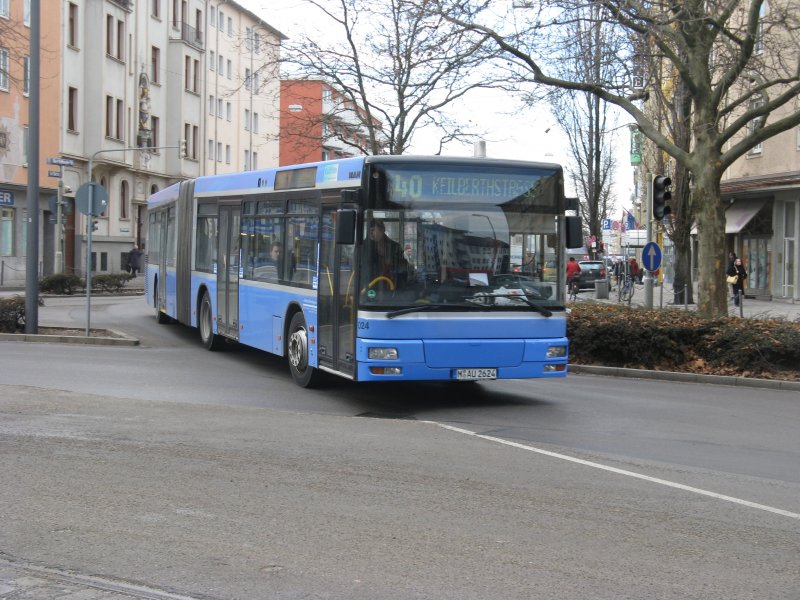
x: 166, y: 471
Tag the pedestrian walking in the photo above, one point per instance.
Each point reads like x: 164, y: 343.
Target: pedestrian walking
x: 135, y: 261
x: 636, y: 275
x: 736, y: 276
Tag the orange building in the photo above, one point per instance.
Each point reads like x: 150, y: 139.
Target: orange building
x: 317, y: 123
x: 15, y: 86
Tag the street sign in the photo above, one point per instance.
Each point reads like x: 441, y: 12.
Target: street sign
x: 64, y: 162
x: 99, y: 195
x: 651, y: 256
x: 54, y: 173
x: 606, y: 224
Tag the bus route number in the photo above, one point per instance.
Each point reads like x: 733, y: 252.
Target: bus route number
x: 408, y: 186
x: 363, y: 324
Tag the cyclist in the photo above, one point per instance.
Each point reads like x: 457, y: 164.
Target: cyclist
x: 573, y: 273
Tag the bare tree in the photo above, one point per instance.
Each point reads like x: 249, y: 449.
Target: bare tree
x: 737, y: 60
x: 397, y: 66
x: 584, y: 117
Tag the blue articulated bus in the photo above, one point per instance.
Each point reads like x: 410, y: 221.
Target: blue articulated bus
x: 378, y: 268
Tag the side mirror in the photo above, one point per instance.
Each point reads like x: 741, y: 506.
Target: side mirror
x: 346, y: 225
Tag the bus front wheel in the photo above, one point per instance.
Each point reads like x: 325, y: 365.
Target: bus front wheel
x: 297, y: 350
x: 206, y: 325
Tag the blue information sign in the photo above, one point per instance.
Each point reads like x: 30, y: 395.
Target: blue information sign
x: 651, y: 256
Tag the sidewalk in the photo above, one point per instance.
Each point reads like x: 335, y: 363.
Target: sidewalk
x: 777, y: 308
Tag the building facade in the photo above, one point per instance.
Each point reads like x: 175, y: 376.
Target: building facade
x: 242, y: 90
x: 130, y: 75
x: 14, y: 103
x: 317, y: 123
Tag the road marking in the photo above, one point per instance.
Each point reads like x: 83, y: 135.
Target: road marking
x: 594, y: 465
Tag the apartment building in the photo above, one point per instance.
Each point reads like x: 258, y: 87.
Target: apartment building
x: 14, y: 101
x: 242, y: 90
x: 318, y: 123
x: 119, y: 75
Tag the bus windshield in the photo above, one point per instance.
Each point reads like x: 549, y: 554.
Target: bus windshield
x: 458, y: 239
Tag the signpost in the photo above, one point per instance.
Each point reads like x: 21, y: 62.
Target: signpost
x: 651, y: 256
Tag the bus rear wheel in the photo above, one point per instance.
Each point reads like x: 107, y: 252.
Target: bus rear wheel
x: 161, y: 317
x: 297, y: 351
x: 206, y: 325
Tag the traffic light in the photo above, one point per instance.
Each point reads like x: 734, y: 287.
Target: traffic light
x: 182, y: 150
x: 661, y: 196
x: 94, y: 224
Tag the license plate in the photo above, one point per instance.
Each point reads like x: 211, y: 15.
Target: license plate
x: 468, y: 374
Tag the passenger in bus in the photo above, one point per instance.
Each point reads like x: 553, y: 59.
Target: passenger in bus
x: 271, y: 268
x: 387, y: 258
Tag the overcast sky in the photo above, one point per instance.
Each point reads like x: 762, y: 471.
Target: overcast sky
x: 529, y: 136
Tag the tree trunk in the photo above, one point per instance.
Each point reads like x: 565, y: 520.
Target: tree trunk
x: 711, y: 257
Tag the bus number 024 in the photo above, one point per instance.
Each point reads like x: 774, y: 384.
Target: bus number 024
x: 408, y: 187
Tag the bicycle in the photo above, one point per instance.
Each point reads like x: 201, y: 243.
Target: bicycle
x: 574, y: 288
x: 625, y: 289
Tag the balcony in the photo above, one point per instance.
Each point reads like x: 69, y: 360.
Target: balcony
x: 126, y: 4
x: 192, y: 36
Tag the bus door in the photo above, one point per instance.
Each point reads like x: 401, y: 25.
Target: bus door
x: 336, y: 306
x: 228, y: 257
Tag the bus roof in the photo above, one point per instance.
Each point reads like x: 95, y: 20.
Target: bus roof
x: 330, y: 173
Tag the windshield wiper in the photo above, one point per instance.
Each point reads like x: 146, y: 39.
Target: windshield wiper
x: 432, y: 306
x: 524, y: 297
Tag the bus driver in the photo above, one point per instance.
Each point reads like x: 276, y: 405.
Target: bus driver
x: 386, y: 257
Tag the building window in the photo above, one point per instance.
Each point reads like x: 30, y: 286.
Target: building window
x: 230, y: 69
x: 175, y: 13
x: 229, y: 111
x: 7, y: 232
x: 220, y: 63
x: 155, y: 64
x: 255, y: 122
x: 219, y: 151
x: 219, y: 107
x: 247, y: 79
x: 195, y: 141
x: 221, y: 20
x: 187, y: 73
x: 109, y: 116
x: 230, y: 27
x: 72, y: 109
x: 123, y: 199
x: 26, y: 81
x: 211, y: 104
x: 121, y: 40
x: 248, y: 38
x: 4, y: 8
x: 72, y: 33
x: 210, y: 149
x: 196, y: 76
x: 26, y: 13
x: 154, y: 125
x: 109, y: 35
x: 227, y: 154
x: 212, y: 16
x: 4, y: 69
x: 246, y: 160
x: 246, y: 120
x: 211, y: 60
x: 754, y: 125
x: 187, y: 137
x: 255, y: 160
x: 155, y: 9
x: 120, y: 120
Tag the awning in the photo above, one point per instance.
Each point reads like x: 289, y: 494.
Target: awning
x: 740, y: 214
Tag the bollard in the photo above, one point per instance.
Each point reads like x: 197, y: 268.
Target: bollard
x: 741, y: 303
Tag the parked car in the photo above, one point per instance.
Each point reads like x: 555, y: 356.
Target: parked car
x: 591, y: 271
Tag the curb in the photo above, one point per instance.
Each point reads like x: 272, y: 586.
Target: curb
x: 115, y: 338
x: 749, y: 382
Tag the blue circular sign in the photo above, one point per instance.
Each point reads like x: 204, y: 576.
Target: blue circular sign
x: 651, y: 256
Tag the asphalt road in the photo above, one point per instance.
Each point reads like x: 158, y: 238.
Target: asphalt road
x: 165, y: 471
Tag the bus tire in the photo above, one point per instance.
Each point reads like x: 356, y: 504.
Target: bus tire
x: 205, y: 323
x: 297, y: 352
x: 161, y: 317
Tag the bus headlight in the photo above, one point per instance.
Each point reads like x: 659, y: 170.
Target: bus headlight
x: 556, y: 351
x: 383, y: 353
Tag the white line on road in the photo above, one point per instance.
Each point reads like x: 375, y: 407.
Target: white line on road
x: 588, y: 463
